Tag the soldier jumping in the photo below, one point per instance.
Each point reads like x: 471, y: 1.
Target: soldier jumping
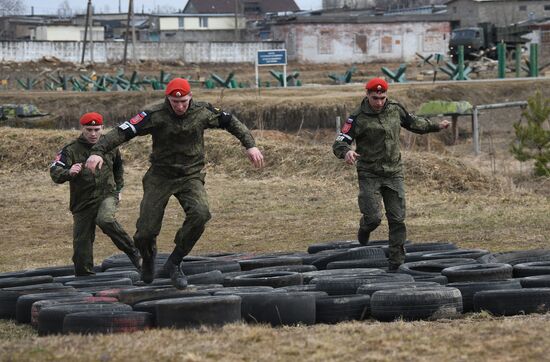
x: 177, y: 126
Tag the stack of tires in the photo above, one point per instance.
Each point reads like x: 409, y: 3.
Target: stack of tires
x: 330, y: 283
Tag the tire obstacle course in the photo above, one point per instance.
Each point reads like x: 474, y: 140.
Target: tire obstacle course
x: 330, y: 283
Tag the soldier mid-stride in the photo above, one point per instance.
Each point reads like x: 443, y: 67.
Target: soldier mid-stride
x: 375, y: 127
x: 177, y: 126
x: 94, y: 198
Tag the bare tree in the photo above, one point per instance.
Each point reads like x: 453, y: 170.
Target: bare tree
x: 12, y: 7
x: 64, y: 10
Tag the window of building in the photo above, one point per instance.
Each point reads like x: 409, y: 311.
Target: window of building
x: 454, y: 9
x: 203, y: 22
x: 324, y: 43
x: 360, y: 44
x: 180, y: 23
x: 386, y: 43
x: 546, y: 7
x: 523, y: 8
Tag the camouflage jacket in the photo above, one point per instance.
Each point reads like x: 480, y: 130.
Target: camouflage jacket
x: 86, y: 188
x: 376, y: 135
x: 178, y: 141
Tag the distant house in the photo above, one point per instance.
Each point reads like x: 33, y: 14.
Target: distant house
x: 20, y: 27
x: 468, y: 13
x: 115, y: 24
x: 342, y: 38
x: 195, y: 27
x: 54, y: 32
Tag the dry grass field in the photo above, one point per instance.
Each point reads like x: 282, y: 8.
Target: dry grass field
x: 304, y: 195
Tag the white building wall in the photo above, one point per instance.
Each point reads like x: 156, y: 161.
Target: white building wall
x: 67, y: 33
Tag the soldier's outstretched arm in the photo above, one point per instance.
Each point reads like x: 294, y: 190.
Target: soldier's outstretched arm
x: 138, y: 125
x: 415, y: 123
x: 342, y: 145
x: 60, y: 169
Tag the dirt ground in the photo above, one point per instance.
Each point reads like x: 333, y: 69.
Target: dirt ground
x: 303, y: 196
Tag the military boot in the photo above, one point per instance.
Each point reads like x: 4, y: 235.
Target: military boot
x: 135, y: 258
x: 363, y: 236
x: 148, y: 266
x: 172, y: 267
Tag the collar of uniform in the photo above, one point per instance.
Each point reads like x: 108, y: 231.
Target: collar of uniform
x: 366, y: 108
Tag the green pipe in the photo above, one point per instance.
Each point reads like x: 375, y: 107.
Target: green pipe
x: 518, y: 60
x: 501, y: 52
x: 460, y: 62
x: 534, y: 60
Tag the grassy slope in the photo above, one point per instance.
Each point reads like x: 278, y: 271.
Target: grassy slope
x: 303, y: 196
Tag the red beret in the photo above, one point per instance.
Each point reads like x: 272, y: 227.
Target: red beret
x: 178, y: 87
x: 91, y: 119
x: 376, y: 85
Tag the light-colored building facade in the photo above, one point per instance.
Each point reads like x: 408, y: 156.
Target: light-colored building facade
x: 363, y: 39
x: 66, y: 33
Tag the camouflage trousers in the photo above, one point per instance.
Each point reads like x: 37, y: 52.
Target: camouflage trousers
x: 157, y: 190
x: 390, y: 190
x: 85, y: 221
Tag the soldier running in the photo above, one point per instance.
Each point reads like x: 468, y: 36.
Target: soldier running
x: 177, y: 126
x: 94, y: 198
x: 375, y: 127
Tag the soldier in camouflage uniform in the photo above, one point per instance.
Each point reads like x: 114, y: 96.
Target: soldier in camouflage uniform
x: 177, y: 126
x: 94, y: 198
x: 375, y: 127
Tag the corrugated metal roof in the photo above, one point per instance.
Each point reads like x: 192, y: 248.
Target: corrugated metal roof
x: 228, y: 6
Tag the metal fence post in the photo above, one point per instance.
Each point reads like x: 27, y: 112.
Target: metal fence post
x: 501, y: 50
x: 337, y: 124
x: 475, y: 130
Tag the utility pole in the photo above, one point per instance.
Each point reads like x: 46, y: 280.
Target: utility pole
x: 237, y: 38
x: 119, y: 8
x: 91, y: 11
x: 86, y: 30
x: 126, y: 35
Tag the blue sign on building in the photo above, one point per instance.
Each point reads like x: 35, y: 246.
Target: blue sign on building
x: 272, y: 57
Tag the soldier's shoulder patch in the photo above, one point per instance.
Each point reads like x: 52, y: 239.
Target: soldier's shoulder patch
x: 347, y: 126
x: 138, y: 118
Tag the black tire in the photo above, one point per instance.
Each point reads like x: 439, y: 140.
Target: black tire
x: 211, y: 277
x: 371, y: 288
x: 20, y: 281
x: 198, y: 267
x: 439, y: 246
x: 416, y: 256
x: 522, y: 256
x: 478, y: 272
x: 347, y: 285
x: 440, y: 279
x: 269, y: 261
x: 122, y: 260
x: 13, y: 274
x: 469, y: 290
x: 39, y: 305
x: 359, y: 263
x: 8, y: 296
x: 271, y: 279
x: 531, y: 269
x: 54, y: 271
x: 50, y: 319
x: 286, y: 268
x: 107, y: 322
x: 99, y: 282
x: 131, y: 274
x: 350, y: 254
x: 114, y: 292
x: 278, y: 308
x: 537, y: 281
x: 354, y: 272
x: 432, y: 267
x: 415, y: 304
x: 144, y: 294
x: 513, y: 302
x: 198, y: 311
x: 344, y: 244
x: 24, y: 302
x: 458, y: 253
x: 299, y: 288
x: 159, y: 282
x: 331, y: 309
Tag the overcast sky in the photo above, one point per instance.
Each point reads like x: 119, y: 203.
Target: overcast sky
x: 51, y: 6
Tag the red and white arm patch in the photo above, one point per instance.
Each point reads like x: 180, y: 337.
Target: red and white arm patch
x: 138, y: 118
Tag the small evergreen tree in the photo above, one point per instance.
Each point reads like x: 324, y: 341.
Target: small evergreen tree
x: 533, y: 139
